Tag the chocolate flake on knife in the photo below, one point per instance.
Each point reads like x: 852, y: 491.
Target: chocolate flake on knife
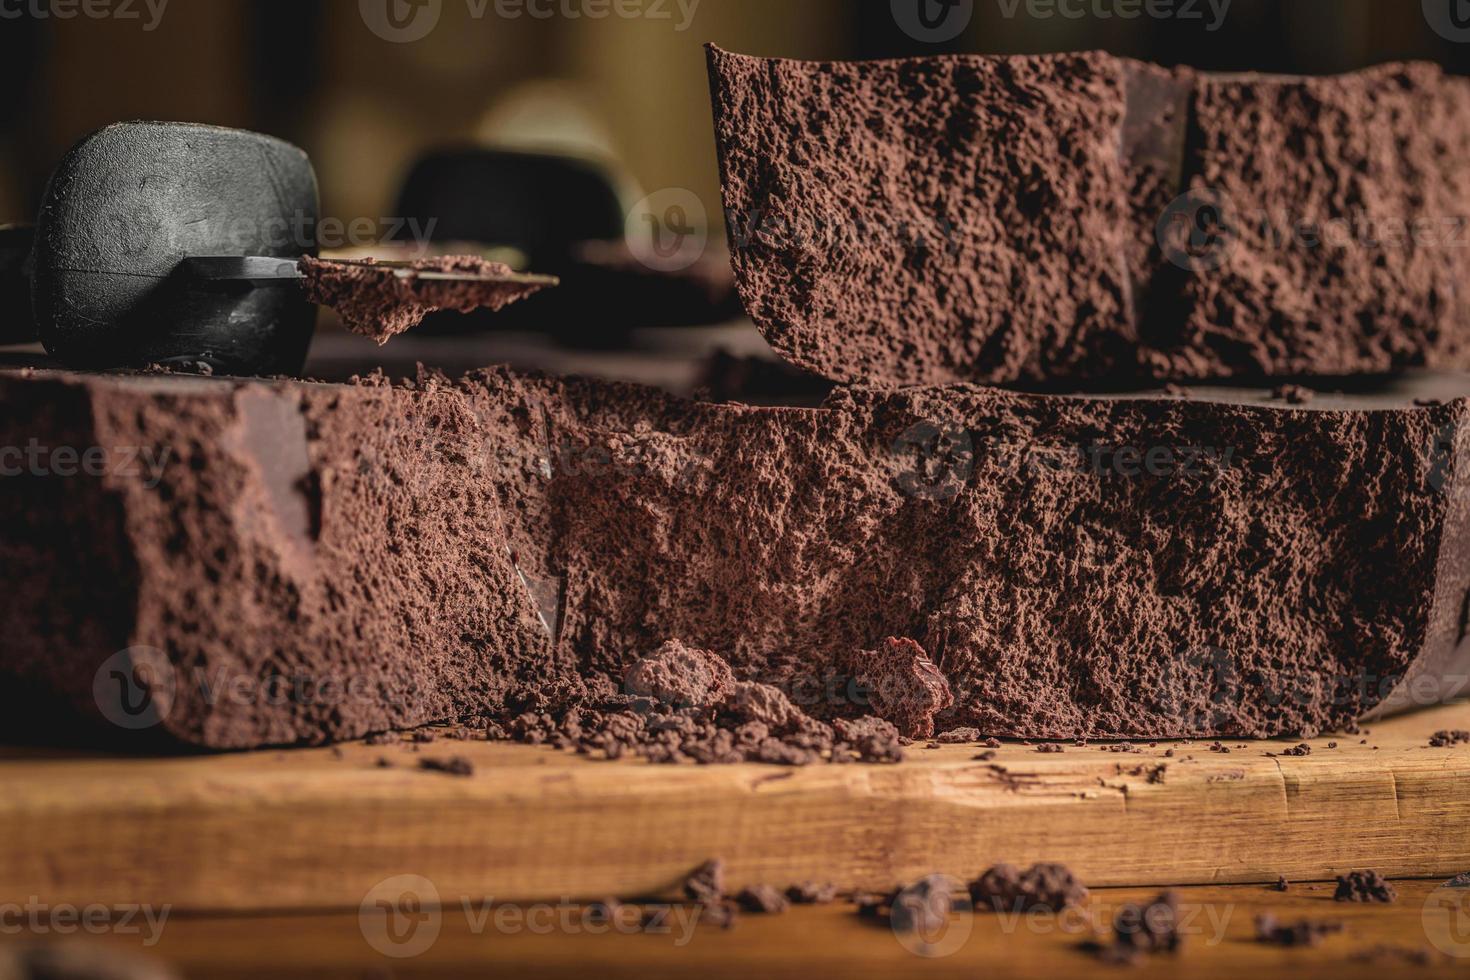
x: 381, y: 300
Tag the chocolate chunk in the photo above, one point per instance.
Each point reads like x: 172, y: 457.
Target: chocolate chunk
x: 1365, y: 886
x: 707, y: 884
x: 381, y: 302
x: 1293, y: 394
x: 927, y: 220
x: 812, y: 893
x: 1448, y: 739
x: 923, y: 907
x: 1079, y: 216
x: 454, y: 766
x: 1006, y: 888
x: 1149, y: 928
x: 680, y: 676
x: 763, y: 899
x: 905, y: 686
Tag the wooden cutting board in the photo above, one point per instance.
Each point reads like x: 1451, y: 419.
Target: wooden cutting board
x: 318, y: 829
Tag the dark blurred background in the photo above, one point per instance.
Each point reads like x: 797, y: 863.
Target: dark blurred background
x: 632, y: 87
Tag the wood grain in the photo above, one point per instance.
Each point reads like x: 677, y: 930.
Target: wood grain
x: 317, y: 829
x: 830, y: 941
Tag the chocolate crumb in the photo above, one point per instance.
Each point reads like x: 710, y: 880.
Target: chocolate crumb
x: 1293, y: 394
x: 1150, y: 928
x: 454, y: 766
x: 1365, y: 886
x: 707, y: 884
x: 1449, y: 739
x: 812, y: 893
x: 763, y: 899
x: 922, y: 907
x: 1049, y: 748
x: 1282, y: 884
x: 1041, y: 887
x: 1306, y: 932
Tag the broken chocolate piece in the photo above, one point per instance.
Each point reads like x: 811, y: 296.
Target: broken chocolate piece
x: 707, y: 884
x: 762, y: 899
x: 381, y: 301
x: 1149, y: 928
x: 680, y: 676
x: 923, y: 907
x: 1079, y: 216
x: 927, y: 220
x: 1365, y: 886
x: 454, y: 766
x: 782, y: 540
x: 1006, y: 888
x: 812, y: 893
x: 904, y: 686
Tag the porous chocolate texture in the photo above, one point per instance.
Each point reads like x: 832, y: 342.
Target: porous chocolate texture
x: 928, y: 220
x: 310, y: 562
x: 1048, y: 566
x: 1059, y: 218
x: 379, y: 302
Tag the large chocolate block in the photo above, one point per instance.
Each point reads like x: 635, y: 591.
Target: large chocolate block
x: 1077, y: 217
x: 1122, y: 565
x: 274, y: 562
x: 928, y: 220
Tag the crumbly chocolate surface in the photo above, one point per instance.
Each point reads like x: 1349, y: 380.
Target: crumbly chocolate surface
x: 972, y: 200
x: 509, y: 549
x: 1080, y: 216
x: 378, y: 302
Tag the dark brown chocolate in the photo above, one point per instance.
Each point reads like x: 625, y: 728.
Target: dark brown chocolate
x: 1365, y: 886
x: 379, y: 302
x: 1079, y: 216
x: 513, y: 546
